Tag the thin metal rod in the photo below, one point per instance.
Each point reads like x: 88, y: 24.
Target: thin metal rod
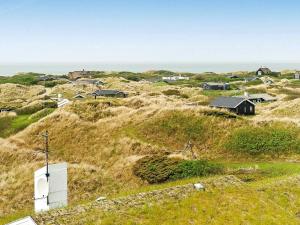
x: 46, y: 136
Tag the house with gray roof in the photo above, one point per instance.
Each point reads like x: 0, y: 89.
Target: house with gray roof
x: 262, y: 71
x: 88, y: 82
x: 215, y: 86
x: 109, y: 93
x: 240, y: 106
x: 257, y: 98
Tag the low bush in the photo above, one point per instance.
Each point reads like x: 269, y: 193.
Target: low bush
x: 268, y: 139
x: 26, y: 110
x: 23, y: 78
x: 171, y: 92
x: 195, y: 168
x: 41, y: 114
x: 157, y: 169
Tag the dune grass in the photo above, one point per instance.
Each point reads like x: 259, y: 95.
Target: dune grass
x: 13, y: 124
x: 256, y: 203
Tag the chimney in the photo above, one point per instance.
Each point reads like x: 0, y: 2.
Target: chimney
x: 246, y: 94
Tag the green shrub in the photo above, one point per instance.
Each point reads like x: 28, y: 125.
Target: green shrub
x: 23, y: 78
x: 26, y: 110
x: 268, y: 139
x: 157, y: 169
x: 195, y: 168
x: 171, y: 92
x: 41, y: 114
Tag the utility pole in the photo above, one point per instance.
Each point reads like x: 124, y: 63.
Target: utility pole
x: 46, y: 142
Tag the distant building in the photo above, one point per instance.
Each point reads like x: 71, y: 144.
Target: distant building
x: 297, y: 75
x: 79, y: 96
x: 175, y: 78
x: 88, y: 82
x: 248, y: 79
x: 79, y: 74
x: 233, y: 76
x: 47, y: 78
x: 5, y: 109
x: 109, y: 93
x: 257, y: 98
x: 263, y: 71
x: 215, y: 86
x: 240, y: 106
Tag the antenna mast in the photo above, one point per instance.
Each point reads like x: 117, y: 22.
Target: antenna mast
x: 46, y: 138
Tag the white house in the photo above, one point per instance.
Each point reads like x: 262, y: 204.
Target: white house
x: 175, y: 78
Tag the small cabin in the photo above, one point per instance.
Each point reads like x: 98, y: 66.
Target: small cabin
x: 215, y: 86
x: 297, y: 75
x: 79, y: 74
x: 6, y: 110
x: 88, y: 82
x: 233, y: 76
x: 257, y: 98
x: 109, y: 93
x: 174, y: 78
x: 249, y: 79
x: 263, y: 71
x: 240, y: 106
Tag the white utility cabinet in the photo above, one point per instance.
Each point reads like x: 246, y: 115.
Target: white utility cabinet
x: 52, y: 191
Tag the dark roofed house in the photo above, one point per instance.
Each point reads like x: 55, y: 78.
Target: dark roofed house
x: 215, y: 86
x: 88, y: 82
x: 78, y: 96
x: 297, y: 75
x: 257, y: 98
x: 263, y: 71
x: 109, y: 93
x: 240, y: 106
x: 79, y: 74
x: 233, y: 76
x: 248, y: 79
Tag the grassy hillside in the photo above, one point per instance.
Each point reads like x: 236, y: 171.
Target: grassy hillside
x: 103, y: 139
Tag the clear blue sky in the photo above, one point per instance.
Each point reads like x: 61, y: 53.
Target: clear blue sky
x: 149, y: 31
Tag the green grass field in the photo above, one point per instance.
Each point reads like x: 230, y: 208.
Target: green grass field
x: 13, y: 124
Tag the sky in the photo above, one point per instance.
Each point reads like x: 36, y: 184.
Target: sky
x: 143, y: 31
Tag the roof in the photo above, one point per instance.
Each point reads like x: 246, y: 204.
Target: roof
x: 107, y: 92
x: 215, y: 83
x: 265, y: 70
x: 251, y: 78
x: 88, y: 81
x: 228, y: 102
x: 264, y: 96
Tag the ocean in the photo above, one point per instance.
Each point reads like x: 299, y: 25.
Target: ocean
x: 64, y: 68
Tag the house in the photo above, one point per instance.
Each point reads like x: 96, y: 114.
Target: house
x: 257, y: 98
x: 248, y: 79
x: 232, y: 76
x: 109, y: 93
x: 240, y: 106
x: 79, y: 74
x: 262, y: 71
x: 175, y: 78
x: 215, y: 86
x: 5, y: 110
x: 62, y: 102
x: 297, y: 75
x: 88, y: 82
x: 79, y: 96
